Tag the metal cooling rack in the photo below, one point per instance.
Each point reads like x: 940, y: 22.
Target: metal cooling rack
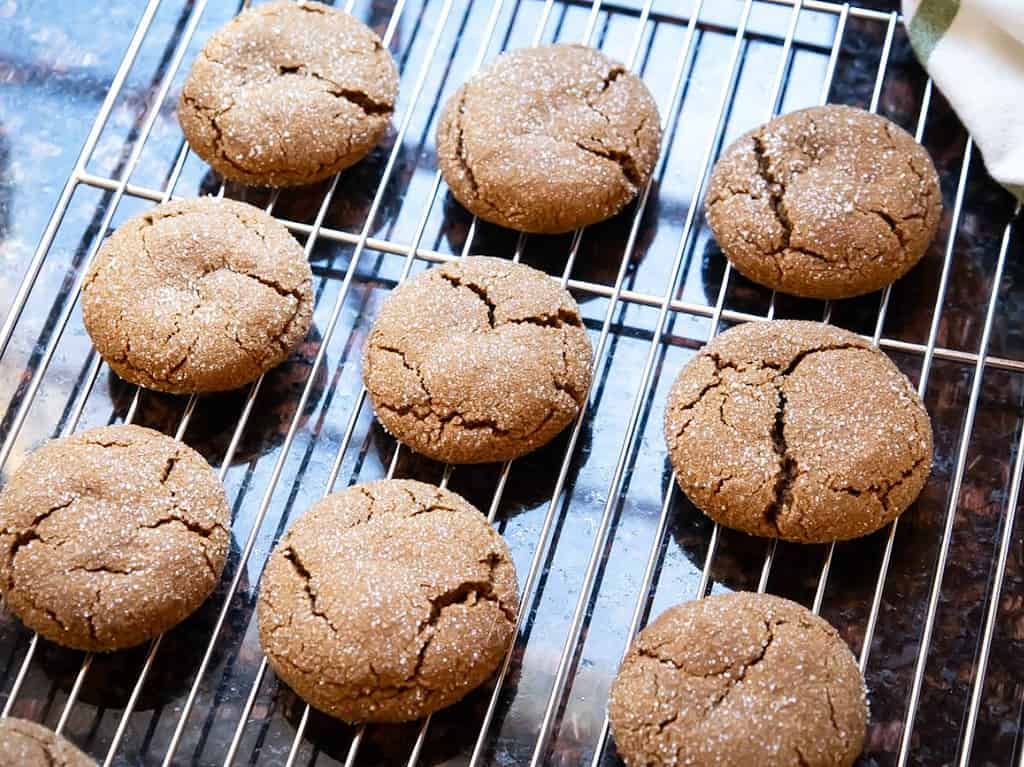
x: 601, y: 538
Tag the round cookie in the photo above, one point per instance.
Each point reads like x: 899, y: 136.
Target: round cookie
x: 478, y: 360
x: 197, y: 296
x: 826, y: 202
x: 387, y: 601
x: 110, y: 537
x: 288, y: 93
x: 797, y: 430
x: 27, y: 744
x: 738, y: 678
x: 549, y: 139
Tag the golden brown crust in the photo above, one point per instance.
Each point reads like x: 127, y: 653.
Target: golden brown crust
x: 479, y: 360
x: 826, y: 202
x: 197, y: 296
x: 288, y: 93
x: 387, y: 601
x: 110, y: 537
x: 797, y: 430
x: 27, y: 744
x: 738, y: 679
x: 549, y: 139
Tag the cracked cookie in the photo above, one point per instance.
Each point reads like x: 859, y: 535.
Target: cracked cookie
x: 826, y: 202
x: 27, y: 744
x: 197, y: 296
x: 797, y: 430
x: 110, y: 537
x: 387, y: 601
x: 549, y: 139
x: 287, y: 94
x: 738, y: 678
x: 478, y: 360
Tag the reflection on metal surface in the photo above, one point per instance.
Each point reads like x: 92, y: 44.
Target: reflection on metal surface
x: 599, y: 535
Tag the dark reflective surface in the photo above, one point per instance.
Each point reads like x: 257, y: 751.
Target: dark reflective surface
x: 56, y: 69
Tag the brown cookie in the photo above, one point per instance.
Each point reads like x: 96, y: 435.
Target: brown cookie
x: 827, y: 202
x: 387, y: 601
x: 797, y: 430
x: 549, y: 139
x: 744, y: 679
x: 197, y: 296
x: 110, y: 537
x: 288, y: 93
x: 27, y: 744
x: 479, y: 360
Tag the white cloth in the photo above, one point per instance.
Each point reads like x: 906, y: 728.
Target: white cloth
x: 974, y: 51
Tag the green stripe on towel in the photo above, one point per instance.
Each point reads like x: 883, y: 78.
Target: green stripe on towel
x: 929, y: 24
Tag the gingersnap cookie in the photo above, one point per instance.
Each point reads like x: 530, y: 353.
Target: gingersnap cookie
x: 738, y: 678
x: 387, y: 601
x: 549, y: 139
x: 288, y: 93
x: 826, y: 202
x: 110, y: 537
x: 797, y: 430
x: 197, y: 296
x: 479, y: 360
x: 27, y: 744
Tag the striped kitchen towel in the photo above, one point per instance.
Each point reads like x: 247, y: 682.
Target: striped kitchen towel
x: 974, y: 51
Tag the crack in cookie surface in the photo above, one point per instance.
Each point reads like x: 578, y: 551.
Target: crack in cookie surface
x: 736, y: 679
x: 135, y: 540
x: 584, y: 143
x: 228, y: 306
x: 387, y: 600
x: 827, y: 202
x: 261, y: 91
x: 832, y: 468
x: 477, y: 361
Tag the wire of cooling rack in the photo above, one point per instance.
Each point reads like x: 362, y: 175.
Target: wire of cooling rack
x: 668, y: 305
x: 611, y: 502
x: 641, y: 606
x: 46, y: 242
x: 954, y: 500
x: 586, y: 287
x: 330, y: 327
x: 992, y: 612
x: 15, y: 311
x: 148, y: 122
x: 876, y: 95
x: 116, y: 84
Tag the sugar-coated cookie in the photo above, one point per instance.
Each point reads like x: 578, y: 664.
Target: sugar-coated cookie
x: 27, y: 744
x: 479, y: 360
x: 549, y: 139
x: 738, y: 679
x: 387, y: 601
x: 288, y: 93
x: 110, y: 537
x: 797, y: 430
x: 197, y: 296
x: 826, y: 202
